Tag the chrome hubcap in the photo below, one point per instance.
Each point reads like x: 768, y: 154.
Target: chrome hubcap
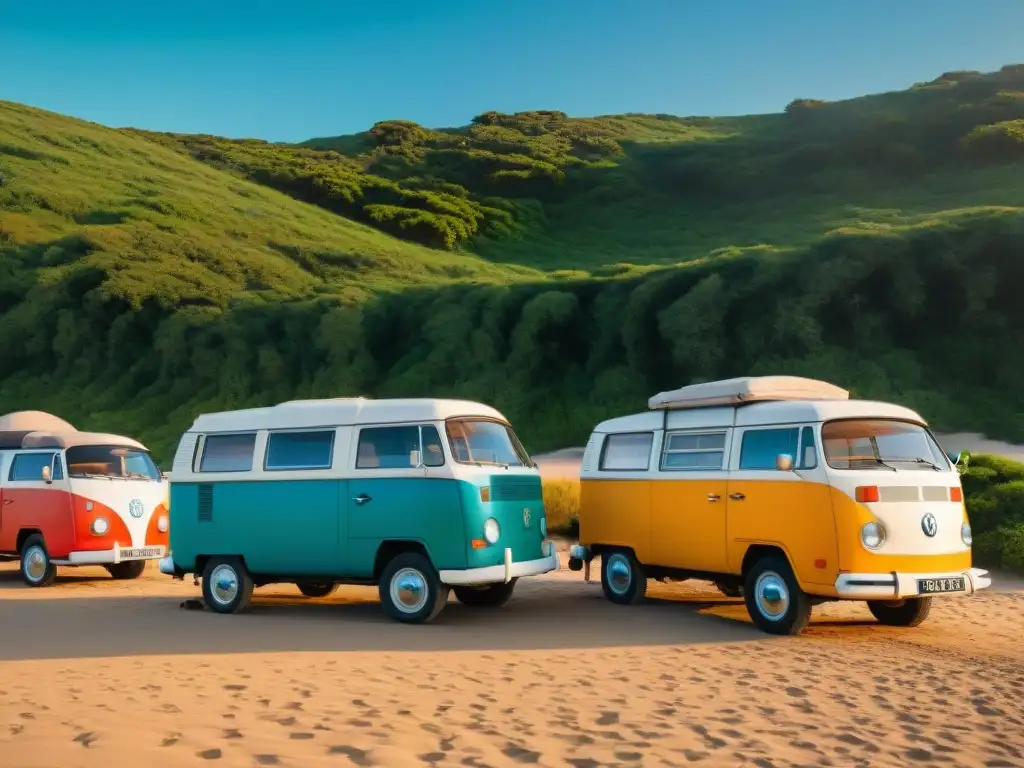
x: 620, y: 575
x: 772, y: 596
x: 409, y: 590
x: 35, y: 563
x: 224, y: 584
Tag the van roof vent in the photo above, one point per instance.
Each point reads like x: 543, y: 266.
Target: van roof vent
x: 745, y: 390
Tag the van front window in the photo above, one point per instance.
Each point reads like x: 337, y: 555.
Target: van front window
x: 883, y: 444
x: 110, y: 461
x: 476, y: 441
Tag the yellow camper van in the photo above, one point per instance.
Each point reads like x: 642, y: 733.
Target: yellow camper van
x: 781, y: 489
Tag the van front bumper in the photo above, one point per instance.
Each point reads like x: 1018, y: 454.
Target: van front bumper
x: 497, y: 574
x: 112, y: 556
x: 896, y: 586
x: 166, y: 566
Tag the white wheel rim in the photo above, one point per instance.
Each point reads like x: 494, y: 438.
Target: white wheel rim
x: 408, y: 590
x: 620, y: 574
x: 35, y: 563
x: 771, y: 596
x: 224, y: 584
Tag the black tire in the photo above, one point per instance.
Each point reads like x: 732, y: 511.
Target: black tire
x: 622, y: 577
x: 492, y: 595
x: 36, y: 568
x: 129, y: 569
x: 425, y: 595
x: 786, y: 616
x: 316, y: 588
x: 729, y: 590
x: 236, y: 589
x: 902, y: 613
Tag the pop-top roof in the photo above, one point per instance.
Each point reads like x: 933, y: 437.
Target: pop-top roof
x: 745, y: 390
x: 27, y: 430
x: 33, y: 421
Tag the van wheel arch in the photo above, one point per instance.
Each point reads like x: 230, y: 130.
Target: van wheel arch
x: 23, y: 536
x: 757, y: 551
x: 389, y: 550
x: 202, y: 560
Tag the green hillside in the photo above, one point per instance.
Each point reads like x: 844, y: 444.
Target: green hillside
x: 562, y: 269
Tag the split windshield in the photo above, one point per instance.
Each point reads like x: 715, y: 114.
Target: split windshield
x: 882, y: 444
x: 490, y: 443
x: 110, y: 461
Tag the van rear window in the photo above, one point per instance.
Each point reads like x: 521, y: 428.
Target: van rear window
x: 627, y: 452
x: 228, y: 453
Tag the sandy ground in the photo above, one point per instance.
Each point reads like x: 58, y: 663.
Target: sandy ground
x: 114, y: 674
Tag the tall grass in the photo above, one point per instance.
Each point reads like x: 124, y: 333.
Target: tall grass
x: 562, y: 506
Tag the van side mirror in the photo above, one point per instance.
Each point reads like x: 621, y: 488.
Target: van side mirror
x: 784, y: 462
x: 47, y: 475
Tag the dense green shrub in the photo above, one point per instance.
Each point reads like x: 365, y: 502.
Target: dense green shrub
x: 994, y: 492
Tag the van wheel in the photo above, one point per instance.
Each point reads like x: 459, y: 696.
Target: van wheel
x: 316, y: 588
x: 227, y: 585
x: 492, y: 595
x: 622, y: 577
x: 775, y: 602
x: 901, y: 613
x: 410, y: 589
x: 130, y: 569
x: 36, y: 568
x: 729, y: 590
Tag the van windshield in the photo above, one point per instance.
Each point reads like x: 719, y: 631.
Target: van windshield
x: 110, y: 461
x: 883, y: 444
x: 482, y: 442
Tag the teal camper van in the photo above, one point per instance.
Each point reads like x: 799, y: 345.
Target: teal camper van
x: 418, y: 497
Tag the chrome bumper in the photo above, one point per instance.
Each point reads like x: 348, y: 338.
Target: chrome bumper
x: 166, y: 566
x: 896, y: 586
x: 504, y: 573
x: 111, y: 556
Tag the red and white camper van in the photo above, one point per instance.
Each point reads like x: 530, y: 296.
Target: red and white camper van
x: 77, y: 498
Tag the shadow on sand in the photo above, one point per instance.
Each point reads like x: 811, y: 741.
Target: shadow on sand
x: 537, y: 618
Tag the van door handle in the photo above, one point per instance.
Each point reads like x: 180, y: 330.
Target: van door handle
x: 8, y: 501
x: 713, y: 497
x: 362, y: 499
x: 737, y: 496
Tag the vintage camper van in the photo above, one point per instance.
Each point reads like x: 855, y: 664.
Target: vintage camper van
x: 782, y: 489
x: 77, y: 498
x: 415, y: 496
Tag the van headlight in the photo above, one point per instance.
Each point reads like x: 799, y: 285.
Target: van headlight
x: 544, y: 526
x: 872, y: 535
x: 492, y: 531
x: 99, y: 526
x: 965, y: 534
x: 161, y: 523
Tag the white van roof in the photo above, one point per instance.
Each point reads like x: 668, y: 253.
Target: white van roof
x: 28, y: 430
x: 745, y: 390
x: 340, y: 411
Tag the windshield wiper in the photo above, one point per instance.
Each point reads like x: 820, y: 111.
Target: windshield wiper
x: 90, y: 474
x: 917, y: 460
x: 887, y: 466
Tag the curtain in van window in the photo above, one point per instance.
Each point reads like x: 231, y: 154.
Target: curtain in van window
x: 761, y: 446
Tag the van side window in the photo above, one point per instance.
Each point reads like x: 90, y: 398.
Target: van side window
x: 28, y: 467
x: 693, y: 451
x: 761, y: 446
x: 300, y: 450
x: 393, y: 447
x: 228, y: 453
x: 808, y: 450
x: 626, y: 451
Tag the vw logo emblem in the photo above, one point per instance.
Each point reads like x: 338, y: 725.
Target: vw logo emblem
x: 526, y: 517
x: 135, y: 508
x: 929, y: 525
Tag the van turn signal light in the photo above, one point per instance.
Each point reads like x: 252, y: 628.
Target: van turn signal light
x: 956, y: 494
x: 485, y: 493
x: 867, y: 494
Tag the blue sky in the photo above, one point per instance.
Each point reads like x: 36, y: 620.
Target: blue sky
x: 290, y: 71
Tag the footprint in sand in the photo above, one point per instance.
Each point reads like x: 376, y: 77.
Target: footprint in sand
x: 209, y: 754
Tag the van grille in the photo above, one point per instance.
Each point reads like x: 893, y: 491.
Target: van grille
x: 205, y: 502
x: 515, y: 488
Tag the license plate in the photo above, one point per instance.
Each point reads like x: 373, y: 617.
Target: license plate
x: 141, y: 553
x: 935, y: 586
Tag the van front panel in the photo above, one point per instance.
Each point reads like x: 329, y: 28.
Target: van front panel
x: 515, y: 500
x: 284, y: 527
